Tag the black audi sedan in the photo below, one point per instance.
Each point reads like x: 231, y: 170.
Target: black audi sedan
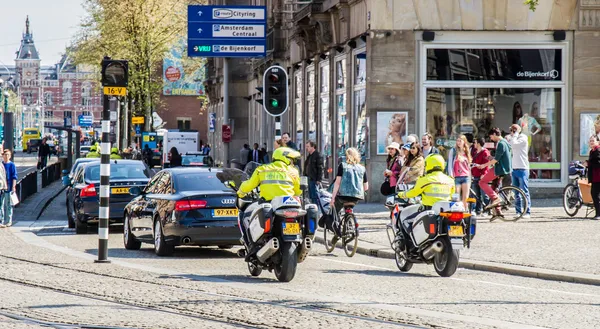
x: 83, y: 191
x: 182, y: 206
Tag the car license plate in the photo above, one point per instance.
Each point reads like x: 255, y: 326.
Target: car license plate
x: 455, y: 231
x: 119, y: 190
x: 225, y: 212
x: 291, y: 228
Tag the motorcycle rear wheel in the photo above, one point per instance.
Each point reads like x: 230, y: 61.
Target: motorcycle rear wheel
x: 446, y: 262
x: 402, y: 262
x: 286, y: 270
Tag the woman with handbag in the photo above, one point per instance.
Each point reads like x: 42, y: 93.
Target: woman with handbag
x: 392, y: 171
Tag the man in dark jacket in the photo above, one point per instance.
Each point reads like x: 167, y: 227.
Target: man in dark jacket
x: 43, y: 153
x: 313, y: 169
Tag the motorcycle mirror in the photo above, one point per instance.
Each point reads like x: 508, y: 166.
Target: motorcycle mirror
x: 304, y: 181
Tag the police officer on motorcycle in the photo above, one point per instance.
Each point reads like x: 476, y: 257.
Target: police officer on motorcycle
x: 279, y: 178
x: 434, y: 186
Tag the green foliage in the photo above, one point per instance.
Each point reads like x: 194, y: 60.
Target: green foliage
x: 532, y: 4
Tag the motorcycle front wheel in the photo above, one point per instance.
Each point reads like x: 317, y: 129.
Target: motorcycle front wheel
x: 446, y: 261
x: 402, y: 262
x: 286, y: 269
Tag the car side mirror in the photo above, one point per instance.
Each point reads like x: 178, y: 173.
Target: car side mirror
x: 135, y: 191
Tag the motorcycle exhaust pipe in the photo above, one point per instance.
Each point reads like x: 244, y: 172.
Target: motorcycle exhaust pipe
x: 430, y: 251
x: 304, y: 249
x: 186, y: 240
x: 268, y: 250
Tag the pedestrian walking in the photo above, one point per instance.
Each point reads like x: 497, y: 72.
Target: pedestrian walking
x: 427, y: 144
x: 11, y: 183
x: 245, y: 155
x: 43, y: 153
x: 175, y: 159
x: 502, y: 163
x: 313, y: 169
x: 255, y: 155
x: 594, y: 172
x: 392, y: 171
x: 287, y: 141
x: 414, y: 166
x: 147, y: 154
x: 520, y: 166
x: 459, y: 167
x: 481, y: 155
x: 3, y: 192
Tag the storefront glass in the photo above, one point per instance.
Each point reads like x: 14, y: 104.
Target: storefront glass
x: 311, y: 118
x: 326, y: 126
x: 474, y: 111
x: 340, y: 69
x: 298, y: 108
x: 362, y: 122
x: 343, y: 129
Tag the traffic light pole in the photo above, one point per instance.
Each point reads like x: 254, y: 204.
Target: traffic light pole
x: 104, y: 183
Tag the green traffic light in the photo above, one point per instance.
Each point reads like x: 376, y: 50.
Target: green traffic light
x: 274, y: 103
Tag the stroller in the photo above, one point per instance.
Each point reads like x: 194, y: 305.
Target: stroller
x: 328, y: 213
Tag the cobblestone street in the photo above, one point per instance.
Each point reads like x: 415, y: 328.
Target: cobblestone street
x: 211, y: 288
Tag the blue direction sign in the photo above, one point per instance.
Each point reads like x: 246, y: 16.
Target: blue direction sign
x: 85, y: 120
x: 227, y: 31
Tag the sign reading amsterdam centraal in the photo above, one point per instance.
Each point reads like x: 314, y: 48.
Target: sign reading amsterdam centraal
x: 227, y: 31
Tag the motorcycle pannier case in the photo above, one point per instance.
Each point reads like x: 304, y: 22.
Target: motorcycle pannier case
x: 424, y: 227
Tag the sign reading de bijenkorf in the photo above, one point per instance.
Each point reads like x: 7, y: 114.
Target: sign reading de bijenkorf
x: 227, y: 31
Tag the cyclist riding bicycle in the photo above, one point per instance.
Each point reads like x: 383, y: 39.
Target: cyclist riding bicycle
x: 502, y: 167
x: 434, y: 186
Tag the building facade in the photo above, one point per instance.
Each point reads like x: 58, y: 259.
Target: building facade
x: 366, y: 73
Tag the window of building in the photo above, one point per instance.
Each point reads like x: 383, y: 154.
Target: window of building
x: 184, y: 123
x: 487, y: 88
x: 48, y: 98
x: 326, y: 126
x: 67, y: 92
x: 298, y: 81
x: 86, y: 94
x: 343, y: 127
x: 310, y: 104
x: 28, y: 96
x: 361, y: 121
x: 340, y: 70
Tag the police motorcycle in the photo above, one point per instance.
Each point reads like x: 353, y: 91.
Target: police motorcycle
x: 279, y: 234
x: 435, y: 236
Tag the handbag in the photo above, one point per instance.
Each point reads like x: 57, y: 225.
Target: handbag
x: 385, y: 188
x: 14, y: 199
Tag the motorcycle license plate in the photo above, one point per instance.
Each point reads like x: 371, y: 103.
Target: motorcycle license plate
x: 455, y: 230
x: 291, y: 228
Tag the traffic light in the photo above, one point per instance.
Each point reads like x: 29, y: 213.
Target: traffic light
x: 275, y: 90
x: 115, y: 73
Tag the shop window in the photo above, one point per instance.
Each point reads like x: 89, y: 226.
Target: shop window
x: 326, y: 136
x: 324, y: 78
x: 362, y: 122
x: 343, y: 129
x: 340, y: 69
x: 452, y: 112
x: 298, y: 81
x: 311, y: 119
x: 360, y: 69
x: 494, y: 64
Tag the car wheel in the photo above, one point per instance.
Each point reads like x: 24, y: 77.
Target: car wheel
x: 70, y: 217
x: 130, y: 242
x: 81, y: 227
x: 161, y: 248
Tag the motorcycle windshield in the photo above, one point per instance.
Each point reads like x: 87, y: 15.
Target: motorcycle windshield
x: 234, y: 175
x: 251, y: 167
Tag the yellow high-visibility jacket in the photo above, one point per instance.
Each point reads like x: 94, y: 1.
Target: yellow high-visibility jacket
x: 432, y: 188
x: 275, y: 179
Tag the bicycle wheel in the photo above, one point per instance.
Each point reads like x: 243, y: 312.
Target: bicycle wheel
x: 329, y: 246
x: 349, y: 235
x: 571, y: 199
x: 510, y: 195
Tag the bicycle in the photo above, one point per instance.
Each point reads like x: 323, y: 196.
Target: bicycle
x: 348, y: 231
x: 573, y: 197
x: 509, y: 199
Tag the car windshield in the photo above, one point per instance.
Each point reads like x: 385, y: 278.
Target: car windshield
x: 197, y: 181
x: 118, y: 171
x: 193, y: 160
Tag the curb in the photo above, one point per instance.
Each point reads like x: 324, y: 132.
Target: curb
x: 48, y: 201
x: 375, y: 250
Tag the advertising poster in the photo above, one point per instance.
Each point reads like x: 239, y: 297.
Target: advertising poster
x: 179, y: 80
x: 212, y: 120
x: 586, y: 129
x: 391, y: 127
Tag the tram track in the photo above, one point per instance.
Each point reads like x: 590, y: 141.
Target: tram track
x: 230, y: 319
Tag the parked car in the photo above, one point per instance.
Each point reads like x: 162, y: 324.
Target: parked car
x: 196, y: 160
x: 33, y: 145
x: 182, y: 206
x: 83, y: 191
x: 78, y: 163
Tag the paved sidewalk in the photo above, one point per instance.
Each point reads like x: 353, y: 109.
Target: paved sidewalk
x: 550, y: 245
x: 33, y: 206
